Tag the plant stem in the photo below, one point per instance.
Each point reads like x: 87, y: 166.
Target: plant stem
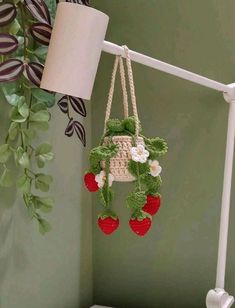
x: 107, y: 166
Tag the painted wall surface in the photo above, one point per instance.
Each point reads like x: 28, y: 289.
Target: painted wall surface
x: 174, y: 265
x: 55, y: 270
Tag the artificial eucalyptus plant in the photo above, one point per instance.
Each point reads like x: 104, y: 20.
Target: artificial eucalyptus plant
x: 25, y: 31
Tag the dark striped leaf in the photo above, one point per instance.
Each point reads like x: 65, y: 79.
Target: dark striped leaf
x: 34, y: 72
x: 70, y: 128
x: 11, y: 70
x: 80, y: 131
x: 8, y: 43
x: 63, y: 104
x: 78, y: 105
x: 85, y: 2
x: 7, y: 13
x: 39, y: 10
x: 41, y: 32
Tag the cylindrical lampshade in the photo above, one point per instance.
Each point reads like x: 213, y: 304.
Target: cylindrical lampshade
x: 74, y: 50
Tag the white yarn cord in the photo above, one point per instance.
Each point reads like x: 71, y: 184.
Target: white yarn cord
x: 118, y: 60
x: 132, y: 89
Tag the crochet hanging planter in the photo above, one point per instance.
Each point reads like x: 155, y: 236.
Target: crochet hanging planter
x: 126, y: 155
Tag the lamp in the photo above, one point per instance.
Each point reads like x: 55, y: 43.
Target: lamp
x: 75, y: 49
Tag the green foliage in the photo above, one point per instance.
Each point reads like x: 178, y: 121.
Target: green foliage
x: 43, y: 181
x: 6, y: 179
x: 151, y: 183
x: 5, y: 153
x: 138, y: 169
x: 156, y: 147
x: 136, y: 200
x: 101, y: 153
x: 42, y: 96
x: 106, y: 195
x: 129, y: 124
x: 115, y: 125
x: 108, y: 213
x: 140, y: 215
x: 121, y: 127
x: 43, y: 154
x: 28, y: 114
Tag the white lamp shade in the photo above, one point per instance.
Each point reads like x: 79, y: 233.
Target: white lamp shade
x: 74, y: 50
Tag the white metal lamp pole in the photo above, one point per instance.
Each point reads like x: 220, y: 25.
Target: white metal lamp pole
x: 218, y: 298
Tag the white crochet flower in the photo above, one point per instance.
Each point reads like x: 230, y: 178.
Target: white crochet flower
x: 139, y: 154
x: 155, y: 168
x: 101, y: 178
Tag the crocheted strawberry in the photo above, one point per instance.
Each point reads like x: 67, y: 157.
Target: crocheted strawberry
x: 108, y: 222
x: 90, y: 182
x: 152, y: 205
x: 140, y: 223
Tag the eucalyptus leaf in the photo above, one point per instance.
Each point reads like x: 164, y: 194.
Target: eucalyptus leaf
x: 40, y: 116
x: 14, y: 99
x: 13, y: 131
x: 41, y: 52
x: 6, y: 179
x: 22, y: 157
x: 43, y: 181
x: 44, y: 96
x: 44, y: 226
x: 16, y: 116
x: 5, y: 153
x: 24, y: 183
x: 43, y: 153
x: 40, y: 125
x: 14, y: 27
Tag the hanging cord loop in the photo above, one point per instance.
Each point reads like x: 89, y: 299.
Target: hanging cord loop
x: 132, y: 90
x: 118, y: 61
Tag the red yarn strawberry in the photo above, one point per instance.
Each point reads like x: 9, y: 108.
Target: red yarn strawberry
x: 140, y: 223
x: 152, y: 205
x: 90, y: 182
x: 108, y: 222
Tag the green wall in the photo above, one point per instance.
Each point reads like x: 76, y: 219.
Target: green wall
x: 55, y: 270
x: 174, y: 265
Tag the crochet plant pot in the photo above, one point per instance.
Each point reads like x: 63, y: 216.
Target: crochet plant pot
x: 119, y: 163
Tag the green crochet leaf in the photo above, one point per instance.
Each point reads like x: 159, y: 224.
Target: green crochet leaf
x: 129, y: 124
x: 106, y: 195
x: 115, y: 125
x: 140, y: 215
x: 136, y: 200
x: 152, y: 184
x: 108, y: 213
x: 99, y: 154
x: 156, y: 147
x: 138, y: 169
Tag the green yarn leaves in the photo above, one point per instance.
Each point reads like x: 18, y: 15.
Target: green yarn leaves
x: 156, y: 147
x: 121, y: 127
x: 138, y: 169
x: 106, y: 195
x: 115, y: 126
x: 136, y: 200
x: 101, y: 153
x: 151, y: 183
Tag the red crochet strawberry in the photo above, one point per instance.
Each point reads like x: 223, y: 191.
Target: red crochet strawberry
x: 152, y: 205
x: 140, y: 223
x: 108, y: 222
x: 90, y: 182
